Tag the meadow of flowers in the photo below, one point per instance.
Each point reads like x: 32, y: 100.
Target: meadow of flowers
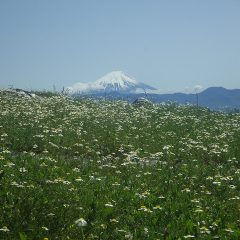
x: 85, y: 169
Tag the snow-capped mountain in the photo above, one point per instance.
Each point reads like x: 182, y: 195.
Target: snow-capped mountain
x: 115, y: 81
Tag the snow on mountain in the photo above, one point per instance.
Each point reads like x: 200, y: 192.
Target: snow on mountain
x: 115, y: 81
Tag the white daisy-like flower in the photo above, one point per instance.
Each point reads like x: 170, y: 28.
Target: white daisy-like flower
x: 4, y: 229
x: 81, y: 222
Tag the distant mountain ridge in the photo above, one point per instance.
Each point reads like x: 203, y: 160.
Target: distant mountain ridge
x: 215, y: 98
x: 219, y: 97
x: 119, y: 85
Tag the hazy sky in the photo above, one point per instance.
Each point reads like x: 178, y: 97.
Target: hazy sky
x: 168, y: 44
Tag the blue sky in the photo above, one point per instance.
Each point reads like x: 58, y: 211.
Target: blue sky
x: 171, y: 45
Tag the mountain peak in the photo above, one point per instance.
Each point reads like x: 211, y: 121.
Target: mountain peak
x: 115, y: 81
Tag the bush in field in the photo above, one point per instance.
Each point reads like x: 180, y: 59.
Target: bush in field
x: 109, y: 170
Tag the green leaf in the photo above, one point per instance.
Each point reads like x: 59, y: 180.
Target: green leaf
x: 22, y: 236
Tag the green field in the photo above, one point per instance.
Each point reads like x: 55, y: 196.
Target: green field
x: 88, y: 169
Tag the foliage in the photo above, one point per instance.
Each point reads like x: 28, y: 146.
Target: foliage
x: 108, y: 170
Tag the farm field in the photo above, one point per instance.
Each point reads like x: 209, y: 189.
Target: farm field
x: 87, y: 169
